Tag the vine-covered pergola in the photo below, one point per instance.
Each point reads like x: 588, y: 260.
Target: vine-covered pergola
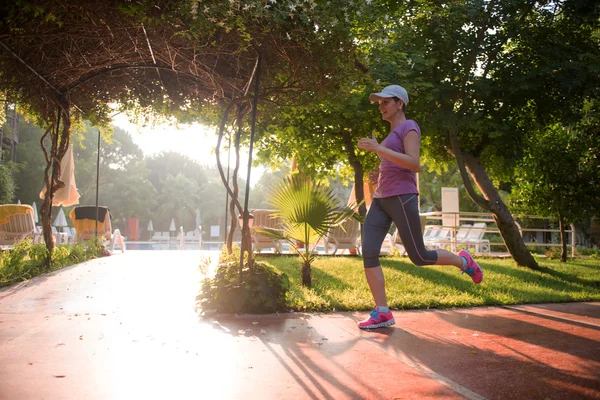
x: 192, y: 60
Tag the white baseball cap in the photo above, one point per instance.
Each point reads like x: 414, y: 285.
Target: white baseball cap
x: 390, y: 91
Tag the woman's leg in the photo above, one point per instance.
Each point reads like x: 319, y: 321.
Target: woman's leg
x: 376, y: 282
x: 377, y: 224
x: 404, y: 210
x: 447, y: 258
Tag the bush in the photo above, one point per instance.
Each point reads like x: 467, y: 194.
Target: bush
x: 263, y: 291
x: 553, y: 253
x: 538, y: 250
x: 15, y: 264
x: 592, y: 252
x: 27, y: 260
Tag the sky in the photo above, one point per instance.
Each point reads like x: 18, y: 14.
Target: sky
x: 194, y: 141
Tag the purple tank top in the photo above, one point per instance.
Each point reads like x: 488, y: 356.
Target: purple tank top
x: 393, y: 179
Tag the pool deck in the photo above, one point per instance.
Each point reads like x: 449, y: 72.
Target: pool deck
x: 127, y: 327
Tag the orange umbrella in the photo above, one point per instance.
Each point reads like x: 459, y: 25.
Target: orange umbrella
x: 369, y: 190
x: 67, y: 195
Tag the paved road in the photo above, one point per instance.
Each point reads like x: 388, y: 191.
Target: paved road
x: 126, y: 327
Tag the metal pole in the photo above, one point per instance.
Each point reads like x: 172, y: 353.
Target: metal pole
x: 247, y: 194
x: 573, y: 238
x: 2, y: 132
x: 97, y: 183
x: 227, y: 192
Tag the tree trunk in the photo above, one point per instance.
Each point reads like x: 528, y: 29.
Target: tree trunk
x: 235, y: 191
x: 232, y: 223
x: 50, y: 176
x: 306, y: 278
x: 46, y: 211
x: 491, y: 201
x: 246, y: 234
x: 59, y: 143
x: 246, y: 243
x: 359, y: 192
x: 504, y: 220
x: 563, y: 237
x: 234, y: 197
x: 359, y: 173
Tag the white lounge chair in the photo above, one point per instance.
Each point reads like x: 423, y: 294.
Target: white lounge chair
x: 191, y: 236
x: 388, y: 245
x: 445, y: 238
x: 38, y: 235
x: 160, y: 237
x: 475, y: 237
x: 430, y: 232
x: 439, y: 237
x: 73, y: 234
x: 425, y: 231
x: 156, y: 236
x: 265, y: 219
x: 60, y: 237
x: 16, y: 223
x: 345, y: 238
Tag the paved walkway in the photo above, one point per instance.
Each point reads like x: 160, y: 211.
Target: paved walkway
x: 125, y: 327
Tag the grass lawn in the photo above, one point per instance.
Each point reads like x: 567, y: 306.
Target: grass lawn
x: 339, y: 283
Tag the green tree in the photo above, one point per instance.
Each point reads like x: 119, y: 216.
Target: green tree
x: 432, y: 181
x: 204, y: 185
x: 118, y: 153
x: 215, y: 45
x: 559, y: 178
x: 179, y: 200
x: 123, y: 183
x: 481, y: 75
x: 259, y: 195
x: 166, y: 164
x: 322, y: 136
x: 7, y: 184
x: 30, y: 177
x: 212, y: 203
x: 128, y: 194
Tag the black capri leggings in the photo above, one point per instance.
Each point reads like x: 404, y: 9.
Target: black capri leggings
x: 403, y: 210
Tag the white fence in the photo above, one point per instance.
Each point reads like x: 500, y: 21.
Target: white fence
x: 454, y: 221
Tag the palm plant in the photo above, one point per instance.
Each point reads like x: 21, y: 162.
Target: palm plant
x: 308, y: 210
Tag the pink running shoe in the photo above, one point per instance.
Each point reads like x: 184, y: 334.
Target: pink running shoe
x: 472, y: 268
x: 377, y: 319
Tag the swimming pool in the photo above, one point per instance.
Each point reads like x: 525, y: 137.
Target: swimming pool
x: 172, y: 246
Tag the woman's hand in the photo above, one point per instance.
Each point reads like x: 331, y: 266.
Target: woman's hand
x: 369, y: 144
